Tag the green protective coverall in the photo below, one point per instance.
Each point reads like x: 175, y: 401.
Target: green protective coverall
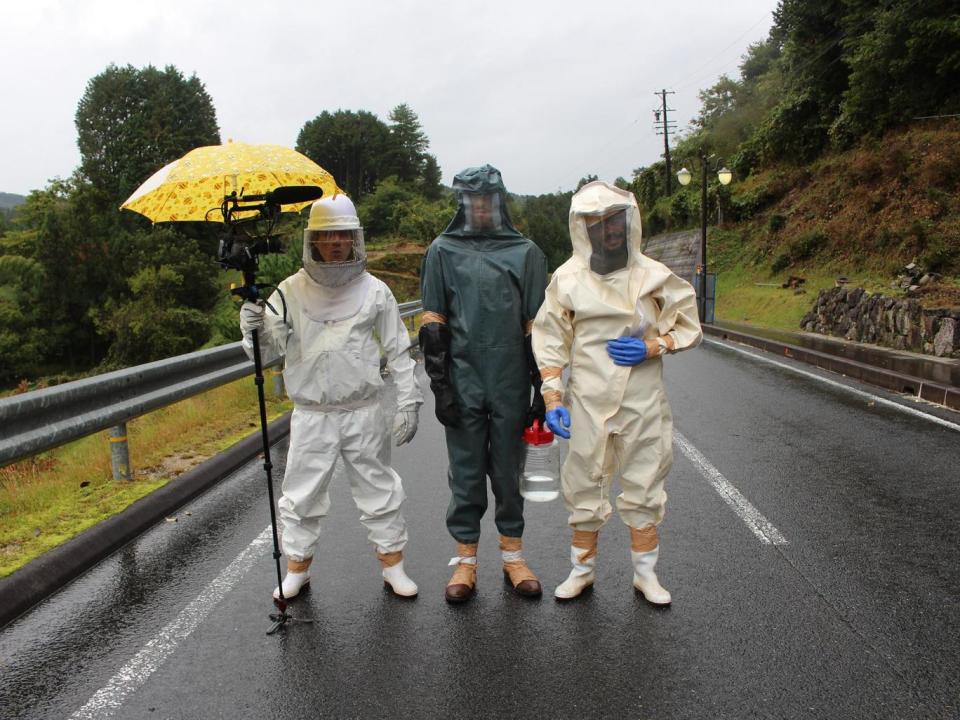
x: 482, y: 283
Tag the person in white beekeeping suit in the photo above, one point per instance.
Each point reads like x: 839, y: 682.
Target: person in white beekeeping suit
x: 610, y: 315
x: 338, y: 318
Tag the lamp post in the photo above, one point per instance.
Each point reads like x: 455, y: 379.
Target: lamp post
x: 684, y: 176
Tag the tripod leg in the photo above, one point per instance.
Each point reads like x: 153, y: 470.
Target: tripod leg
x: 279, y: 618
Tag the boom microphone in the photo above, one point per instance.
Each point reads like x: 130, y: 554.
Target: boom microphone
x: 293, y: 194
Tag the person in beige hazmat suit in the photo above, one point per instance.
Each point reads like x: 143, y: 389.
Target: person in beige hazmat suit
x: 610, y: 315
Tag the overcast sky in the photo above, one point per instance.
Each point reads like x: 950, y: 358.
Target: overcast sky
x: 546, y: 91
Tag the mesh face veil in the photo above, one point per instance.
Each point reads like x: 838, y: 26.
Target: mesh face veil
x: 481, y: 206
x: 333, y: 250
x: 609, y: 240
x: 334, y: 257
x: 482, y: 213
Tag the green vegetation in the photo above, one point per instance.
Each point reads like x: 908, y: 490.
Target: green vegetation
x: 832, y: 173
x: 55, y: 495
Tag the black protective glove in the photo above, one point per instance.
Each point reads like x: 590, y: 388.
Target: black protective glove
x: 435, y: 345
x: 538, y: 409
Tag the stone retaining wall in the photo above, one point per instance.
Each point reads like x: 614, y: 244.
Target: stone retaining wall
x: 898, y: 323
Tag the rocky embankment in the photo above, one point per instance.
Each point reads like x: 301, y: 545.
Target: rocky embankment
x: 899, y: 323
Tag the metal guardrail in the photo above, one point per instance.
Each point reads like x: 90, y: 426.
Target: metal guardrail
x: 43, y: 419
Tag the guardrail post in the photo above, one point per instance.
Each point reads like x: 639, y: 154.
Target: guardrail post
x: 277, y: 389
x: 120, y: 452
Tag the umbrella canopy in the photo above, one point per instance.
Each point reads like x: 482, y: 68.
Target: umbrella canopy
x: 193, y: 187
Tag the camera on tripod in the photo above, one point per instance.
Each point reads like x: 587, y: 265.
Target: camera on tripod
x: 249, y: 222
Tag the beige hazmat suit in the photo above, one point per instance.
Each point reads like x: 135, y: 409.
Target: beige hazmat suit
x: 620, y: 420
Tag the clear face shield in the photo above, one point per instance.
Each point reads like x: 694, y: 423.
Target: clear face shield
x: 334, y: 257
x: 609, y: 241
x: 482, y: 213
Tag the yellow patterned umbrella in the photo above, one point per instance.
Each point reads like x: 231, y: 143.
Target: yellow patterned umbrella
x: 194, y: 187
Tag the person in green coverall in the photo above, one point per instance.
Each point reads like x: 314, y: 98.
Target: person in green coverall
x: 482, y: 283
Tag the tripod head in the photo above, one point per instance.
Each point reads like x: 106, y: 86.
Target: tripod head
x: 249, y: 222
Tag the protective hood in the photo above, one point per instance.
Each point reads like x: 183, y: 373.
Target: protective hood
x: 481, y: 205
x: 333, y: 249
x: 605, y: 227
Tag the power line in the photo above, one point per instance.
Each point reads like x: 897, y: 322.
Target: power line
x: 708, y: 62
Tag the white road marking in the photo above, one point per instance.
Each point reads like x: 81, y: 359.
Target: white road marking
x: 761, y: 527
x: 834, y: 383
x: 131, y: 676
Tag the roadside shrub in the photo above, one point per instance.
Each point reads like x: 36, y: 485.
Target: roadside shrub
x: 803, y: 247
x: 780, y: 263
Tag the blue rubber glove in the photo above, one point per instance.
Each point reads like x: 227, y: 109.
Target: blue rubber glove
x: 627, y: 350
x: 557, y: 420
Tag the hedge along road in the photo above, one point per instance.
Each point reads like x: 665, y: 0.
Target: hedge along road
x: 810, y: 545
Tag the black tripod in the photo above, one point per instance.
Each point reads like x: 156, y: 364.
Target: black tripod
x: 239, y: 249
x: 281, y: 617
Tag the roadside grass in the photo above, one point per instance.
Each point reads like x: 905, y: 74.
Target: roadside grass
x: 54, y: 496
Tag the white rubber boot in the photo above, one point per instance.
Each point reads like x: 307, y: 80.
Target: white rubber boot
x: 394, y: 576
x: 581, y: 576
x: 293, y: 583
x: 645, y: 579
x: 297, y: 578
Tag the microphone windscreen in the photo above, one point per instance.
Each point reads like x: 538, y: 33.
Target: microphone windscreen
x: 294, y: 194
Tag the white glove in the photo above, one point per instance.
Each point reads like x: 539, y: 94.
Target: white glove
x: 405, y: 424
x: 251, y: 317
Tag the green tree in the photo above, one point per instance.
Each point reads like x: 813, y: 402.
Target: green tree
x: 430, y: 183
x: 408, y: 144
x: 22, y: 342
x: 131, y: 122
x: 588, y: 179
x: 544, y: 219
x: 352, y: 146
x: 152, y: 324
x: 904, y: 60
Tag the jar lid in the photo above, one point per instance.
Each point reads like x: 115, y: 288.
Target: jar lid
x: 536, y: 435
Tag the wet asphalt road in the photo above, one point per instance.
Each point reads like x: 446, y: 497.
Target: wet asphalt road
x: 856, y: 616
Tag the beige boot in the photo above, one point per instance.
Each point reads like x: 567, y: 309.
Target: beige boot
x: 583, y: 555
x: 516, y: 570
x: 644, y: 549
x: 464, y: 580
x: 297, y: 578
x: 393, y: 575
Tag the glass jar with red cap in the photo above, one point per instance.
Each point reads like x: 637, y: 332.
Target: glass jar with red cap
x: 540, y: 481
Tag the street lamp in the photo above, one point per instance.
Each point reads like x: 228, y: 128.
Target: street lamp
x: 684, y: 177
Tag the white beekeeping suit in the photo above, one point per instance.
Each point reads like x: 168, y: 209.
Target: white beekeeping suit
x: 338, y: 318
x: 610, y: 314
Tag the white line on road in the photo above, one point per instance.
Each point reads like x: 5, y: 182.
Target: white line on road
x: 761, y: 527
x: 834, y: 383
x: 132, y: 675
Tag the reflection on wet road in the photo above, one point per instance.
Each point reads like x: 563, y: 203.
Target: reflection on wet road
x: 810, y: 543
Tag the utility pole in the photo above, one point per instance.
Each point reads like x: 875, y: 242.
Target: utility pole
x: 663, y: 126
x: 704, y: 160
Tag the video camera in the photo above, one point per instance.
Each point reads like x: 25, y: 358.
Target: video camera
x: 249, y: 221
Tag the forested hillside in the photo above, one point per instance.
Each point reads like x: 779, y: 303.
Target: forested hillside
x: 841, y: 131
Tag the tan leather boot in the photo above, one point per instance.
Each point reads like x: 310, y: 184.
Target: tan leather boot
x: 516, y: 570
x: 464, y: 581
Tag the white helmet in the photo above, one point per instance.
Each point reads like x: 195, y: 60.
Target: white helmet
x: 333, y: 251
